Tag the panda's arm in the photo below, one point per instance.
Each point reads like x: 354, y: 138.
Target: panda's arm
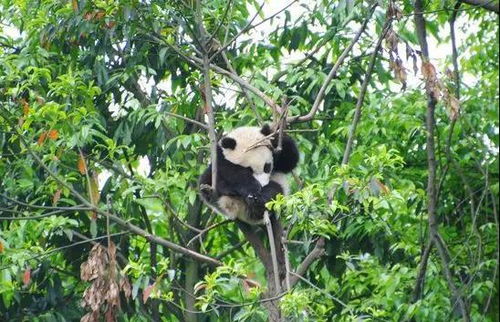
x: 235, y: 180
x: 232, y: 180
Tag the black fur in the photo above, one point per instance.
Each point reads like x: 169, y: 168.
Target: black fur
x: 237, y: 181
x: 287, y: 159
x: 228, y: 143
x: 266, y: 130
x: 233, y: 180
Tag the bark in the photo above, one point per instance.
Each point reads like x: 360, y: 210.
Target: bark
x: 430, y: 122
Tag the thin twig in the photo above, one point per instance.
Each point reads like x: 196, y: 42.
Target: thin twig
x: 322, y: 291
x: 52, y: 213
x: 249, y: 27
x: 187, y: 119
x: 207, y: 229
x: 333, y: 72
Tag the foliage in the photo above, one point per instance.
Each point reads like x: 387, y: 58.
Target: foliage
x: 100, y: 112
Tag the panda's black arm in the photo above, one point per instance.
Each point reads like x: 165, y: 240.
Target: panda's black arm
x: 237, y: 181
x: 232, y: 180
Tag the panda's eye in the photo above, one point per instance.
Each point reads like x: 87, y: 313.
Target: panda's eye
x: 267, y: 167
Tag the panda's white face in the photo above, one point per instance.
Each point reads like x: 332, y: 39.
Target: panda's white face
x: 249, y: 148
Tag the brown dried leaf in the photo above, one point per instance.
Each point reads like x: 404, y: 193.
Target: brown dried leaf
x: 1, y: 247
x: 95, y: 295
x: 113, y: 294
x: 112, y: 250
x: 42, y: 138
x: 53, y: 134
x: 26, y: 107
x: 82, y: 167
x: 99, y: 15
x: 110, y: 315
x: 90, y: 317
x: 27, y: 276
x: 393, y: 11
x: 94, y: 188
x: 391, y: 40
x: 125, y: 286
x: 381, y: 186
x: 56, y: 197
x: 95, y: 266
x: 40, y: 100
x: 88, y: 15
x: 147, y: 292
x: 428, y: 71
x: 74, y: 4
x: 452, y: 104
x: 248, y: 284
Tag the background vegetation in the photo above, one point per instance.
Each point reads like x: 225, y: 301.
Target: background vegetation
x: 108, y: 109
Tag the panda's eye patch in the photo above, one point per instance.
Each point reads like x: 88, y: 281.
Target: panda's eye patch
x: 228, y: 143
x: 267, y: 167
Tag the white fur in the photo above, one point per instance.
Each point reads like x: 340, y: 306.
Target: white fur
x: 282, y: 180
x: 236, y: 208
x: 263, y: 178
x: 255, y: 158
x: 243, y: 154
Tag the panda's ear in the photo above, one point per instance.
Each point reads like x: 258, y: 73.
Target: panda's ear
x: 265, y: 130
x: 228, y: 143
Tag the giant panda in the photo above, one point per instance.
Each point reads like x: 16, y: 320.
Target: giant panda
x: 250, y: 172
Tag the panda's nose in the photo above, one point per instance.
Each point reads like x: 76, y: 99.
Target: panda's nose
x: 267, y: 167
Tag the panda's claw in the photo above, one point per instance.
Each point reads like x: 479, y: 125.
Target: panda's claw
x: 207, y: 192
x: 254, y: 200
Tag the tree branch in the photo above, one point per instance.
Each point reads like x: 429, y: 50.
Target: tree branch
x: 491, y: 5
x: 317, y: 252
x: 420, y: 281
x: 333, y: 73
x: 362, y: 93
x: 121, y: 222
x: 431, y: 161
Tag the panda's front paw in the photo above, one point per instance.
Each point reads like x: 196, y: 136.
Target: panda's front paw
x: 207, y: 192
x: 254, y: 200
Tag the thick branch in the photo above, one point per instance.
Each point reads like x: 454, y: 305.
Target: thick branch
x: 419, y: 283
x: 431, y: 162
x: 454, y: 51
x: 316, y: 253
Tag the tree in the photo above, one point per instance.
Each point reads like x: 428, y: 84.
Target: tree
x: 111, y: 110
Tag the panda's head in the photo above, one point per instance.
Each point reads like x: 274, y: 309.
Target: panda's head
x: 248, y: 147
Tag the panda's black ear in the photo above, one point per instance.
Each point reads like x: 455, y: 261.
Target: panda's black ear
x: 228, y: 143
x: 265, y: 130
